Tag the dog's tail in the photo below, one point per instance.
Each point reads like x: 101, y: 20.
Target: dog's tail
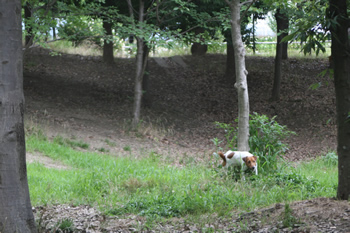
x: 223, y: 157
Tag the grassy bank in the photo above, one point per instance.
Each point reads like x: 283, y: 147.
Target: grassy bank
x: 153, y: 188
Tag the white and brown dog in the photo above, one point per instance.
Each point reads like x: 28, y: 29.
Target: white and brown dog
x: 242, y: 159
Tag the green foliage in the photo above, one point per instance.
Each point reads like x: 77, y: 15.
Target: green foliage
x: 311, y: 26
x: 67, y: 225
x: 72, y: 143
x: 77, y: 29
x: 288, y: 220
x: 151, y: 187
x: 331, y: 158
x: 265, y: 140
x: 293, y: 180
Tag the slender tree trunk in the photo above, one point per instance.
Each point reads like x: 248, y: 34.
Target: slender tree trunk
x: 146, y: 86
x: 54, y: 33
x: 241, y: 77
x: 230, y: 73
x: 28, y: 27
x: 285, y: 48
x: 108, y: 56
x: 278, y: 59
x: 141, y: 63
x: 15, y: 207
x: 284, y: 26
x: 340, y: 55
x: 254, y: 42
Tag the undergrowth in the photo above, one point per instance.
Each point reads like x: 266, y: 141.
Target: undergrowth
x: 265, y: 140
x: 150, y: 187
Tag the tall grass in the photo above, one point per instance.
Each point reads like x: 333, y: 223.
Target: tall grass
x: 153, y: 188
x: 84, y: 49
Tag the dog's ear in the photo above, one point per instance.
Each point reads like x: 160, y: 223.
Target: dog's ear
x: 255, y: 157
x: 245, y: 159
x: 231, y: 155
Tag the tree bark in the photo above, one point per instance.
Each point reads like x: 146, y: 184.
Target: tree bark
x: 108, y: 56
x: 278, y: 59
x: 341, y: 60
x: 241, y: 77
x: 15, y: 207
x: 28, y: 27
x: 230, y: 60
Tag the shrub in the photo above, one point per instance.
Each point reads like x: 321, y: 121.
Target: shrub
x: 331, y: 158
x: 265, y: 139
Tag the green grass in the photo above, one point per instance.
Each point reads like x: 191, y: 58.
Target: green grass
x: 268, y: 50
x: 294, y: 50
x: 152, y: 188
x: 85, y: 49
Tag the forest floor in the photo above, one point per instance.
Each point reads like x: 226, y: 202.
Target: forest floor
x: 80, y: 97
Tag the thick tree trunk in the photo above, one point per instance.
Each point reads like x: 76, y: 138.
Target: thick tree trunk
x: 108, y: 56
x: 241, y: 77
x: 15, y: 207
x: 278, y: 59
x: 28, y: 27
x: 341, y: 61
x: 198, y: 49
x: 230, y: 73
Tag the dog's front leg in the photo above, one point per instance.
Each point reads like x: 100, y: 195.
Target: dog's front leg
x: 242, y: 173
x: 256, y: 170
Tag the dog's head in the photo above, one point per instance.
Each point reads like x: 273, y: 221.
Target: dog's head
x: 250, y: 162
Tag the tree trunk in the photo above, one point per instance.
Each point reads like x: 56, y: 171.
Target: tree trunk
x: 54, y: 33
x: 241, y: 77
x: 230, y: 60
x: 198, y: 49
x: 341, y: 60
x: 15, y: 207
x: 141, y: 63
x: 147, y: 98
x: 278, y: 59
x: 28, y: 27
x: 285, y: 48
x: 284, y: 25
x: 108, y: 56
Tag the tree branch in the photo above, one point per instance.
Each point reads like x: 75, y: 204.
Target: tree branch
x: 228, y: 2
x: 47, y: 6
x: 245, y: 12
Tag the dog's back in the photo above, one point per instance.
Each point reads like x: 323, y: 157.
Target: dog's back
x: 239, y: 158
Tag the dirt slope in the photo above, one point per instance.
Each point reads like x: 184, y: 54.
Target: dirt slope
x: 85, y: 99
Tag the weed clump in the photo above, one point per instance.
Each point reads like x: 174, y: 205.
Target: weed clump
x: 265, y: 140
